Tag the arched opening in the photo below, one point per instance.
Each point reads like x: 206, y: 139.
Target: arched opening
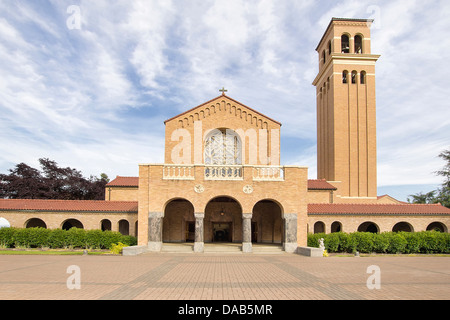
x: 354, y: 76
x: 105, y: 225
x: 363, y: 77
x: 358, y: 44
x: 179, y: 222
x: 72, y: 223
x: 223, y: 220
x: 329, y: 47
x: 345, y: 44
x: 368, y: 227
x: 35, y: 223
x: 267, y: 222
x: 345, y: 77
x: 324, y: 56
x: 437, y: 226
x: 336, y: 227
x: 124, y: 227
x: 403, y: 227
x: 319, y: 227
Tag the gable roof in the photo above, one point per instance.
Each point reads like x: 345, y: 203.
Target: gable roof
x: 377, y: 209
x: 320, y: 184
x: 124, y: 182
x: 221, y: 96
x: 68, y: 205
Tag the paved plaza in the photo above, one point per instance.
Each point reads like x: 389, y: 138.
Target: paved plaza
x: 175, y: 276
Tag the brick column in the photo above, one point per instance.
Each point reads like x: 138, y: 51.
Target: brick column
x: 155, y: 231
x: 199, y: 244
x: 290, y: 232
x: 247, y: 232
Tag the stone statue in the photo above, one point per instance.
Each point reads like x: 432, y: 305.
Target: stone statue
x: 321, y: 245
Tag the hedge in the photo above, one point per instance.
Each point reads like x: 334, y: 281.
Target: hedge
x: 62, y: 239
x: 387, y: 242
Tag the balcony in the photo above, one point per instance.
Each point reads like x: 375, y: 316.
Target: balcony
x: 223, y: 172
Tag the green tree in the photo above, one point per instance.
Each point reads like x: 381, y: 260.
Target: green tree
x: 441, y: 195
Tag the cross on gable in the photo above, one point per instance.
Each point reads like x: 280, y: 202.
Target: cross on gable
x: 223, y: 90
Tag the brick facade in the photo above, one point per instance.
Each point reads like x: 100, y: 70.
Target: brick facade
x: 222, y: 179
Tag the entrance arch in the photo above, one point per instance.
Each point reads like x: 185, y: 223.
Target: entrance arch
x: 124, y: 227
x: 72, y: 223
x: 35, y: 223
x: 336, y: 227
x: 319, y: 227
x: 369, y: 227
x: 105, y: 225
x: 267, y: 223
x: 178, y: 222
x: 223, y: 220
x: 403, y: 227
x: 437, y: 226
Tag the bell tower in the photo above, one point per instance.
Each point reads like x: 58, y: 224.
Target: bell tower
x: 346, y: 108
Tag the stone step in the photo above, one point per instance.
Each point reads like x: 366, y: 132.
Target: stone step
x: 182, y: 248
x: 267, y: 249
x: 223, y: 248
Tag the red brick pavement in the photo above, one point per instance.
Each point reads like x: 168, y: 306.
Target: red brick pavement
x: 223, y: 277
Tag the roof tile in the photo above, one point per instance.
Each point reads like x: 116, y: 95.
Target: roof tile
x: 368, y: 209
x: 124, y: 182
x: 69, y: 205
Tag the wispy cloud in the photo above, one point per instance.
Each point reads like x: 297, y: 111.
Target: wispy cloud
x: 96, y: 98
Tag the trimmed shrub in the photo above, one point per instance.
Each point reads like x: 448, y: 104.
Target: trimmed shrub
x: 58, y: 239
x: 7, y: 237
x: 381, y: 243
x: 313, y: 239
x: 386, y: 242
x: 38, y: 237
x: 397, y: 243
x: 332, y: 242
x: 62, y: 239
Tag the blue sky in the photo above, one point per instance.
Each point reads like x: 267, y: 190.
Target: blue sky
x: 95, y: 98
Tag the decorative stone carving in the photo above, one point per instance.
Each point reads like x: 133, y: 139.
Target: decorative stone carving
x: 199, y: 188
x: 248, y: 189
x: 223, y: 147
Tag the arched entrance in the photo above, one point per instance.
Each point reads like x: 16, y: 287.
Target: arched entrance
x: 72, y: 223
x: 368, y: 227
x: 403, y: 227
x: 267, y: 223
x: 105, y: 225
x: 437, y: 226
x: 336, y: 227
x: 223, y: 221
x: 178, y: 222
x: 124, y: 227
x: 319, y: 227
x: 35, y: 223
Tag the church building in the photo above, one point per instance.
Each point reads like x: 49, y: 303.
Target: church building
x: 222, y: 180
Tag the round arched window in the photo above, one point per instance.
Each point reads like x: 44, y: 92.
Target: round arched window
x: 223, y: 147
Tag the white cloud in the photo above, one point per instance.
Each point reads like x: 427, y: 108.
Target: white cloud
x: 86, y: 97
